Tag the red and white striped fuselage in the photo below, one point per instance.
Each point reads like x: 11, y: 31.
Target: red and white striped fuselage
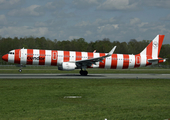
x: 54, y: 58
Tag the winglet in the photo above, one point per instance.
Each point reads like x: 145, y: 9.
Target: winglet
x: 111, y: 52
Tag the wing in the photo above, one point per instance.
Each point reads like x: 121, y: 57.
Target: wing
x: 89, y: 62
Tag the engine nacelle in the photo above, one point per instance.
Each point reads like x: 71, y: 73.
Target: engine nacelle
x: 67, y: 66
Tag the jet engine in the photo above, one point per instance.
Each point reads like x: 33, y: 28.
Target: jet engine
x: 67, y: 66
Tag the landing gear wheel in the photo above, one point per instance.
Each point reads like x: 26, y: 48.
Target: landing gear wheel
x: 20, y: 70
x: 84, y: 73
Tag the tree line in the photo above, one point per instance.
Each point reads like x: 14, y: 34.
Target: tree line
x: 104, y: 46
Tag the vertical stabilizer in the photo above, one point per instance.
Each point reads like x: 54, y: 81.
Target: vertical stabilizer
x: 153, y: 49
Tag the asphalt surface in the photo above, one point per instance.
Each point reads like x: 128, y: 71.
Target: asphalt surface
x: 89, y: 76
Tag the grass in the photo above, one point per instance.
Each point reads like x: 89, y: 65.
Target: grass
x: 100, y: 98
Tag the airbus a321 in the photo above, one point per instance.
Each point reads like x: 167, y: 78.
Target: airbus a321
x: 71, y: 60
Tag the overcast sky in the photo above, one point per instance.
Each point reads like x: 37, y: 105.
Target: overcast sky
x: 118, y: 20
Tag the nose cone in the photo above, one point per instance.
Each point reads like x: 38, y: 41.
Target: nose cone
x: 5, y: 57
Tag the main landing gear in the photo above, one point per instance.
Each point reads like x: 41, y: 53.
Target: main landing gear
x: 83, y: 72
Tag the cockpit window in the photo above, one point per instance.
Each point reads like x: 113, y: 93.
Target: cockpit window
x: 11, y: 53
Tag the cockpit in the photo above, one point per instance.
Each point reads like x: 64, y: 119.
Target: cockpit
x: 11, y: 52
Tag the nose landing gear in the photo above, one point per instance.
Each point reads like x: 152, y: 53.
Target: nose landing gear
x: 21, y: 66
x: 20, y: 70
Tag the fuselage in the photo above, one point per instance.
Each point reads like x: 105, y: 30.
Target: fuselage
x: 57, y: 57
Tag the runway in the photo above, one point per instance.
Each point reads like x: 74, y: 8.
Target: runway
x: 90, y: 76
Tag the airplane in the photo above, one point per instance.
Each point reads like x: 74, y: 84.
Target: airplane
x: 71, y: 60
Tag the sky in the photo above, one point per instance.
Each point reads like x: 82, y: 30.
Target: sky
x: 118, y: 20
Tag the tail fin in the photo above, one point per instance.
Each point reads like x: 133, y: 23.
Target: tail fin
x: 153, y: 49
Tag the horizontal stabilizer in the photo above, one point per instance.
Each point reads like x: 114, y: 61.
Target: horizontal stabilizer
x: 155, y: 60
